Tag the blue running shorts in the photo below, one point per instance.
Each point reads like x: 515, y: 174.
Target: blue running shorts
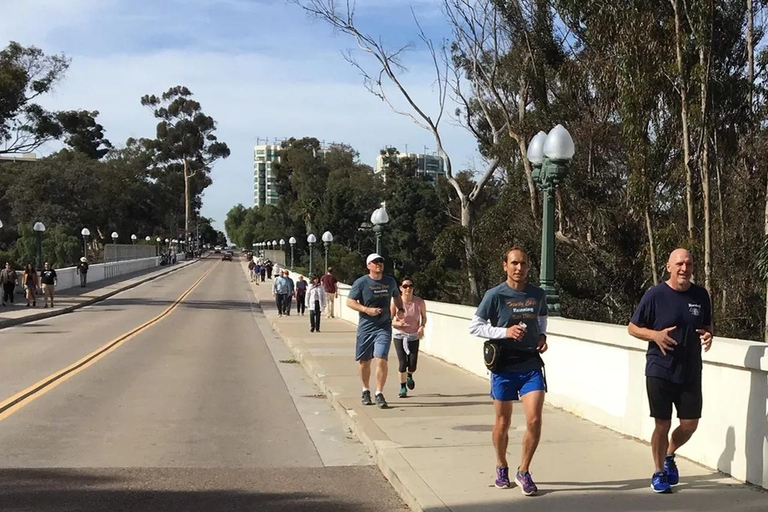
x: 375, y: 344
x: 507, y: 386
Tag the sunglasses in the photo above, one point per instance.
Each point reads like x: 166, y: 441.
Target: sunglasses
x: 406, y: 285
x: 378, y: 262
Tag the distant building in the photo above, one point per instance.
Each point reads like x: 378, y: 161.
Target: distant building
x: 264, y: 183
x: 431, y: 166
x: 18, y: 157
x: 265, y: 156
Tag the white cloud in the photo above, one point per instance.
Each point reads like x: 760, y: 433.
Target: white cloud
x: 300, y: 86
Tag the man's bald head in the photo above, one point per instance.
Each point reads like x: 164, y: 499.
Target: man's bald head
x: 680, y: 268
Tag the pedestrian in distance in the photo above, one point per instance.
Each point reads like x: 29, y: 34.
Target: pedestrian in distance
x: 279, y: 291
x: 316, y: 300
x: 675, y: 318
x: 269, y: 269
x: 291, y: 292
x: 330, y: 285
x: 263, y: 271
x: 513, y: 318
x: 31, y: 283
x: 82, y: 270
x: 406, y: 334
x: 251, y: 269
x: 49, y: 279
x: 301, y: 294
x: 370, y: 296
x: 8, y: 279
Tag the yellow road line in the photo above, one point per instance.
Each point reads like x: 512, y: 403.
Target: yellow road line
x: 22, y: 398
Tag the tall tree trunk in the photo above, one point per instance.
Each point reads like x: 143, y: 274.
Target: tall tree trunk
x: 751, y: 50
x: 523, y: 145
x: 684, y: 120
x: 765, y: 231
x: 469, y: 248
x: 186, y: 201
x: 705, y: 49
x: 651, y: 245
x: 721, y: 215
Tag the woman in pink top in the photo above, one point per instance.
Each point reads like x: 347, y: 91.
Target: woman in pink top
x: 407, y: 333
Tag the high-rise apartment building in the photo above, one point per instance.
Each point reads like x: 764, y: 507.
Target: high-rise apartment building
x: 264, y: 183
x: 428, y: 165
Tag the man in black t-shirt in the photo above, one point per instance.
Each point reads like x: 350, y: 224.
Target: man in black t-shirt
x: 675, y: 318
x: 49, y: 280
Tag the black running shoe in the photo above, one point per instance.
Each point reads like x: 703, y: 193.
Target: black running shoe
x: 367, y: 398
x: 381, y: 402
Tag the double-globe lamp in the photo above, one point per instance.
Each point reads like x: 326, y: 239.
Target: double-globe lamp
x: 550, y: 155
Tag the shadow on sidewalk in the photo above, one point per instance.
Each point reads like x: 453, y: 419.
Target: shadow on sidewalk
x: 219, y: 305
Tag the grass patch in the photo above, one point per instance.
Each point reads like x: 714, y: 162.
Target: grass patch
x: 289, y: 361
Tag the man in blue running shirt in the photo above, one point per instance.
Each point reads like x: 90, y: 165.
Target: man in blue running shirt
x: 517, y: 312
x: 675, y: 318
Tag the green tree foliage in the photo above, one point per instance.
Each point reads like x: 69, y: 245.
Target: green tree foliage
x: 185, y: 144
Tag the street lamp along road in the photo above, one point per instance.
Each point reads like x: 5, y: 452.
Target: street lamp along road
x: 311, y: 239
x: 379, y: 217
x: 292, y: 241
x: 85, y: 233
x: 551, y: 156
x: 327, y: 239
x: 39, y: 229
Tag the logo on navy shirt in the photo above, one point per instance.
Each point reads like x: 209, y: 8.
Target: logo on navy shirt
x: 694, y: 309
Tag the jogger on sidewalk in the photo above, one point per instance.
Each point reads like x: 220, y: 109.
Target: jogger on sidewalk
x: 407, y: 333
x: 516, y: 336
x: 371, y: 296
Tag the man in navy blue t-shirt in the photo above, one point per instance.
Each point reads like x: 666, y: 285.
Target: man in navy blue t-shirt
x: 675, y: 318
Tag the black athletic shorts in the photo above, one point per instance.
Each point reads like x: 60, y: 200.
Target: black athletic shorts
x: 662, y: 394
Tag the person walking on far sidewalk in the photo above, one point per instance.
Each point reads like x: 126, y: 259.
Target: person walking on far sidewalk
x: 407, y: 333
x: 517, y: 335
x: 316, y: 300
x: 82, y: 270
x: 49, y: 279
x: 279, y: 291
x: 291, y: 292
x: 252, y: 269
x: 675, y: 318
x: 301, y: 294
x: 370, y: 296
x: 31, y: 283
x: 330, y: 285
x: 8, y: 279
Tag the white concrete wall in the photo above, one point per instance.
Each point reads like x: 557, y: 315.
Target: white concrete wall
x: 68, y: 277
x: 597, y: 371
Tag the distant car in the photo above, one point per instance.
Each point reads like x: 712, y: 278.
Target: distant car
x: 217, y: 249
x: 227, y: 256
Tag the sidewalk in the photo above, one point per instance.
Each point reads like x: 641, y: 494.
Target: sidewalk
x: 435, y: 446
x: 71, y: 299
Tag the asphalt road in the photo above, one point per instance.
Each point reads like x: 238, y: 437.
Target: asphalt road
x: 194, y: 411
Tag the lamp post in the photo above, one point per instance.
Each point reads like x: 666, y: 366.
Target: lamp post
x: 158, y: 240
x: 327, y: 239
x: 39, y: 229
x: 292, y: 241
x: 133, y: 239
x: 311, y: 239
x: 550, y: 155
x: 85, y: 232
x: 379, y: 217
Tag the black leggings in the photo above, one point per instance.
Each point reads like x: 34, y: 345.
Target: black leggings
x: 407, y: 361
x: 300, y: 302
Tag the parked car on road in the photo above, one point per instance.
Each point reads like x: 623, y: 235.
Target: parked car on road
x: 228, y: 256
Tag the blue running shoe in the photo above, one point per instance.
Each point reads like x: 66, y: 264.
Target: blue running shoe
x: 502, y: 478
x: 659, y: 482
x: 670, y: 468
x: 525, y: 481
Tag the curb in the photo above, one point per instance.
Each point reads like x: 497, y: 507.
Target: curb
x: 10, y: 322
x: 408, y: 484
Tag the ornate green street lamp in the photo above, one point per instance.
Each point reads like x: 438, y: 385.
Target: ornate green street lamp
x: 327, y: 239
x: 550, y: 155
x: 379, y: 218
x: 311, y: 239
x: 292, y: 241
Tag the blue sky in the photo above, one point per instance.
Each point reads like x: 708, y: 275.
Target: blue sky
x: 261, y: 68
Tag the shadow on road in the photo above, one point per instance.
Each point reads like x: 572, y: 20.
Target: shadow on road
x: 158, y: 490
